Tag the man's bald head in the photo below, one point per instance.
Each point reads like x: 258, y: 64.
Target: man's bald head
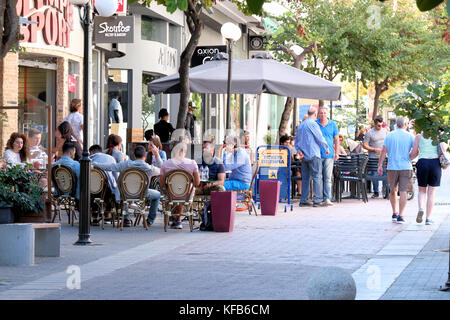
x: 312, y: 112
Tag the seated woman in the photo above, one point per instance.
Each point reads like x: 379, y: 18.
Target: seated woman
x: 179, y: 162
x: 63, y: 134
x: 113, y: 145
x: 17, y: 152
x: 155, y: 155
x: 341, y: 148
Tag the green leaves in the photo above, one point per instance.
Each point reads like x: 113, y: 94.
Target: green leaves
x: 171, y: 5
x: 255, y: 6
x: 182, y: 4
x: 20, y: 188
x: 426, y: 5
x: 429, y: 105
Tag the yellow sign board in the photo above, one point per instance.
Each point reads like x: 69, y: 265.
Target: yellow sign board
x: 273, y: 158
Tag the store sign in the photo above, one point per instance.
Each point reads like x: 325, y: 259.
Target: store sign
x: 204, y: 54
x: 273, y: 158
x: 71, y: 81
x: 114, y: 29
x: 53, y: 18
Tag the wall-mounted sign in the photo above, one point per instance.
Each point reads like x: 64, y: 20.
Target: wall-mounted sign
x: 71, y: 83
x: 53, y: 18
x: 114, y: 29
x: 203, y: 54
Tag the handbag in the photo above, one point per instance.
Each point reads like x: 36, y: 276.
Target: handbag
x: 444, y: 161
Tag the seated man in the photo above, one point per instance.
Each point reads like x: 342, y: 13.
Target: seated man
x: 237, y: 160
x: 179, y: 162
x: 216, y: 171
x: 66, y: 159
x: 152, y: 195
x: 97, y: 157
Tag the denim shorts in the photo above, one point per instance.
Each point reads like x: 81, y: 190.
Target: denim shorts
x: 235, y: 185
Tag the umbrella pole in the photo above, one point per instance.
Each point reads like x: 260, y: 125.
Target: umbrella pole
x: 331, y: 110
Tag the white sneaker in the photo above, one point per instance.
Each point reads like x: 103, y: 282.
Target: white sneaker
x: 328, y: 202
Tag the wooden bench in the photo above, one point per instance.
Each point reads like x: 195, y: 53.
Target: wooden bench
x: 21, y: 242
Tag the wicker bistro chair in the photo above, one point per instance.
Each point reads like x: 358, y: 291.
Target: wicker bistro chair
x: 101, y: 194
x: 372, y: 165
x: 65, y: 182
x: 351, y: 169
x: 179, y: 188
x: 246, y: 196
x: 133, y: 185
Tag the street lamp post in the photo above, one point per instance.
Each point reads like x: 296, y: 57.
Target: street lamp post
x: 358, y: 77
x: 105, y: 8
x: 232, y: 33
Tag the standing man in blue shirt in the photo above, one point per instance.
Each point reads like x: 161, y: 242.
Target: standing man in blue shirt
x: 398, y: 145
x: 330, y: 132
x: 308, y: 141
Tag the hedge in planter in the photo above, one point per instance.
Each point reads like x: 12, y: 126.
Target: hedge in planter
x: 19, y: 187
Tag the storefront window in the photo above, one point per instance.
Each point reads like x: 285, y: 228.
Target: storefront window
x: 94, y: 107
x: 118, y: 89
x: 37, y: 89
x: 153, y: 29
x: 150, y: 104
x: 73, y: 80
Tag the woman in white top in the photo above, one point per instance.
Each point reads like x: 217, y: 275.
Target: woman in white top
x: 75, y: 118
x: 17, y: 149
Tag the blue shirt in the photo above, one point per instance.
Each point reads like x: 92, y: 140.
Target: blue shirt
x: 214, y: 168
x: 329, y: 132
x: 309, y: 139
x: 239, y: 163
x: 112, y: 176
x: 398, y: 144
x: 75, y: 166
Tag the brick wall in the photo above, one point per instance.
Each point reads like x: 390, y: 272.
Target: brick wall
x: 9, y: 75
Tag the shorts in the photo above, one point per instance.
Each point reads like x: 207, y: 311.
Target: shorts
x: 402, y: 178
x: 429, y: 172
x: 230, y: 185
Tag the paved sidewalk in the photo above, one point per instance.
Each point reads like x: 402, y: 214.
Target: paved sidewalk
x: 427, y: 272
x: 265, y: 257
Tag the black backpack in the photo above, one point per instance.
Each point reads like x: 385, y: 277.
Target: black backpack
x: 207, y: 225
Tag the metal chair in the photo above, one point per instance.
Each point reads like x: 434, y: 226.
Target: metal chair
x: 101, y: 194
x: 351, y: 169
x: 246, y: 196
x: 133, y: 185
x: 179, y: 189
x: 65, y: 182
x: 372, y: 166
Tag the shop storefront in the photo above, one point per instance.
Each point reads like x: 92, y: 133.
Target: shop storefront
x: 48, y: 70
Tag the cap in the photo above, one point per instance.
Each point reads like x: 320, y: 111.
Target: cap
x: 191, y: 105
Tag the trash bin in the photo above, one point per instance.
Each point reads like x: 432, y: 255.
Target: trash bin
x: 223, y: 207
x: 269, y: 193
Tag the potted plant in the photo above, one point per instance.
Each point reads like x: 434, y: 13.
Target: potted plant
x: 21, y: 193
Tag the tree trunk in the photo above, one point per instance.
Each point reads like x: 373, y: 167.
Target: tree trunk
x: 195, y: 28
x: 283, y: 129
x: 380, y: 88
x: 9, y: 26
